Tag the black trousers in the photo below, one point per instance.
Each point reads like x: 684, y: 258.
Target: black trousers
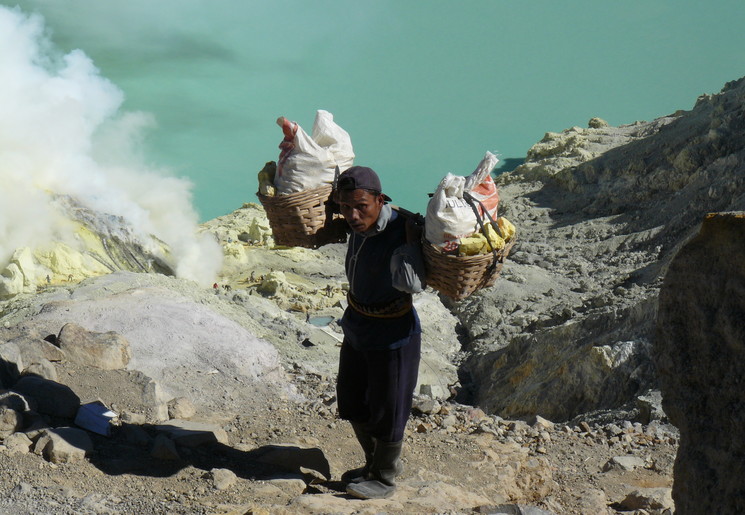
x: 375, y: 388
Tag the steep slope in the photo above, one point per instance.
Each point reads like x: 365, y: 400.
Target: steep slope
x: 601, y: 211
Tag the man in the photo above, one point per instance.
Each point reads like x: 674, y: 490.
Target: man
x: 379, y: 358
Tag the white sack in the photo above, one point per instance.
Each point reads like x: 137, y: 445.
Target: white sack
x: 312, y: 162
x: 449, y: 217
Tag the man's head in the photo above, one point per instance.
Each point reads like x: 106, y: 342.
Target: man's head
x: 360, y: 197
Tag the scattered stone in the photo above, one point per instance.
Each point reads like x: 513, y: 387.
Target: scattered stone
x: 133, y: 418
x: 626, y: 463
x: 597, y: 123
x: 585, y: 427
x: 181, y: 408
x: 18, y: 443
x: 107, y: 351
x: 541, y: 423
x: 657, y: 499
x: 222, y: 479
x: 136, y: 435
x: 64, y: 445
x: 51, y: 398
x: 164, y: 449
x: 187, y: 433
x: 291, y: 486
x: 42, y: 368
x: 10, y: 422
x: 426, y: 405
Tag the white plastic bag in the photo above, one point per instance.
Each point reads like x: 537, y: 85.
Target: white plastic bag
x: 449, y: 216
x: 312, y: 160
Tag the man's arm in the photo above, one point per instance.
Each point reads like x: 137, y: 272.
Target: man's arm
x: 407, y: 262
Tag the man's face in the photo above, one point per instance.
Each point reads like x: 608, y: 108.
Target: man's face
x: 360, y: 208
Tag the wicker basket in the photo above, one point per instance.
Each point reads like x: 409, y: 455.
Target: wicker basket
x: 304, y: 219
x: 459, y: 276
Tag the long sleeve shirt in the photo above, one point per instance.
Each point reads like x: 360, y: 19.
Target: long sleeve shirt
x: 382, y: 269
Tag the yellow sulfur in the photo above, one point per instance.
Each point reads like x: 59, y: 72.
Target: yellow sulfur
x: 477, y: 244
x: 508, y: 230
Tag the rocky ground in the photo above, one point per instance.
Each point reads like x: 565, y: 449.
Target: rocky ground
x: 561, y: 347
x: 458, y: 460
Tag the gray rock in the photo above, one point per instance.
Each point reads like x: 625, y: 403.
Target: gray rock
x: 64, y: 445
x: 188, y: 433
x: 10, y: 422
x: 699, y: 356
x: 222, y: 479
x: 426, y: 405
x: 136, y: 435
x: 657, y: 499
x: 18, y: 443
x: 626, y: 463
x: 164, y: 449
x: 107, y: 351
x: 51, y: 398
x: 181, y: 408
x: 42, y: 368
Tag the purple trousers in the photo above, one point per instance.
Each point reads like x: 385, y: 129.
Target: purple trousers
x: 375, y: 388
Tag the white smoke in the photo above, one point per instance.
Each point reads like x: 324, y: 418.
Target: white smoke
x: 62, y: 132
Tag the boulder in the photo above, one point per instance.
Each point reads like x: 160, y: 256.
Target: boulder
x: 164, y: 448
x: 64, y: 445
x: 181, y: 408
x: 18, y: 443
x: 10, y: 422
x: 51, y: 398
x: 108, y: 351
x: 222, y: 479
x: 192, y: 434
x: 699, y: 352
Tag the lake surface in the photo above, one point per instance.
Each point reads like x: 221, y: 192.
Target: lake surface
x: 423, y: 87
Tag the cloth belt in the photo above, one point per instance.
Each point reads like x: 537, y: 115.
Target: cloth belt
x: 397, y: 308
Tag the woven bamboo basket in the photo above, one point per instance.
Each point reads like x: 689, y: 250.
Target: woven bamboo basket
x: 459, y: 276
x: 304, y: 219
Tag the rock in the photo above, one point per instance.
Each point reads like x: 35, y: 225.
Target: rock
x: 272, y: 284
x: 164, y: 449
x: 426, y: 405
x: 291, y: 486
x: 541, y: 423
x: 51, y: 398
x: 18, y: 443
x: 699, y: 354
x: 64, y: 445
x: 181, y: 408
x: 10, y: 422
x: 108, y: 351
x: 627, y: 463
x: 650, y: 407
x: 222, y: 479
x: 657, y: 499
x: 136, y: 435
x: 192, y: 434
x: 515, y: 509
x: 42, y: 368
x: 597, y: 123
x: 11, y: 364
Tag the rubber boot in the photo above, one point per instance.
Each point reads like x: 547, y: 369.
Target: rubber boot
x: 368, y: 446
x: 385, y: 466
